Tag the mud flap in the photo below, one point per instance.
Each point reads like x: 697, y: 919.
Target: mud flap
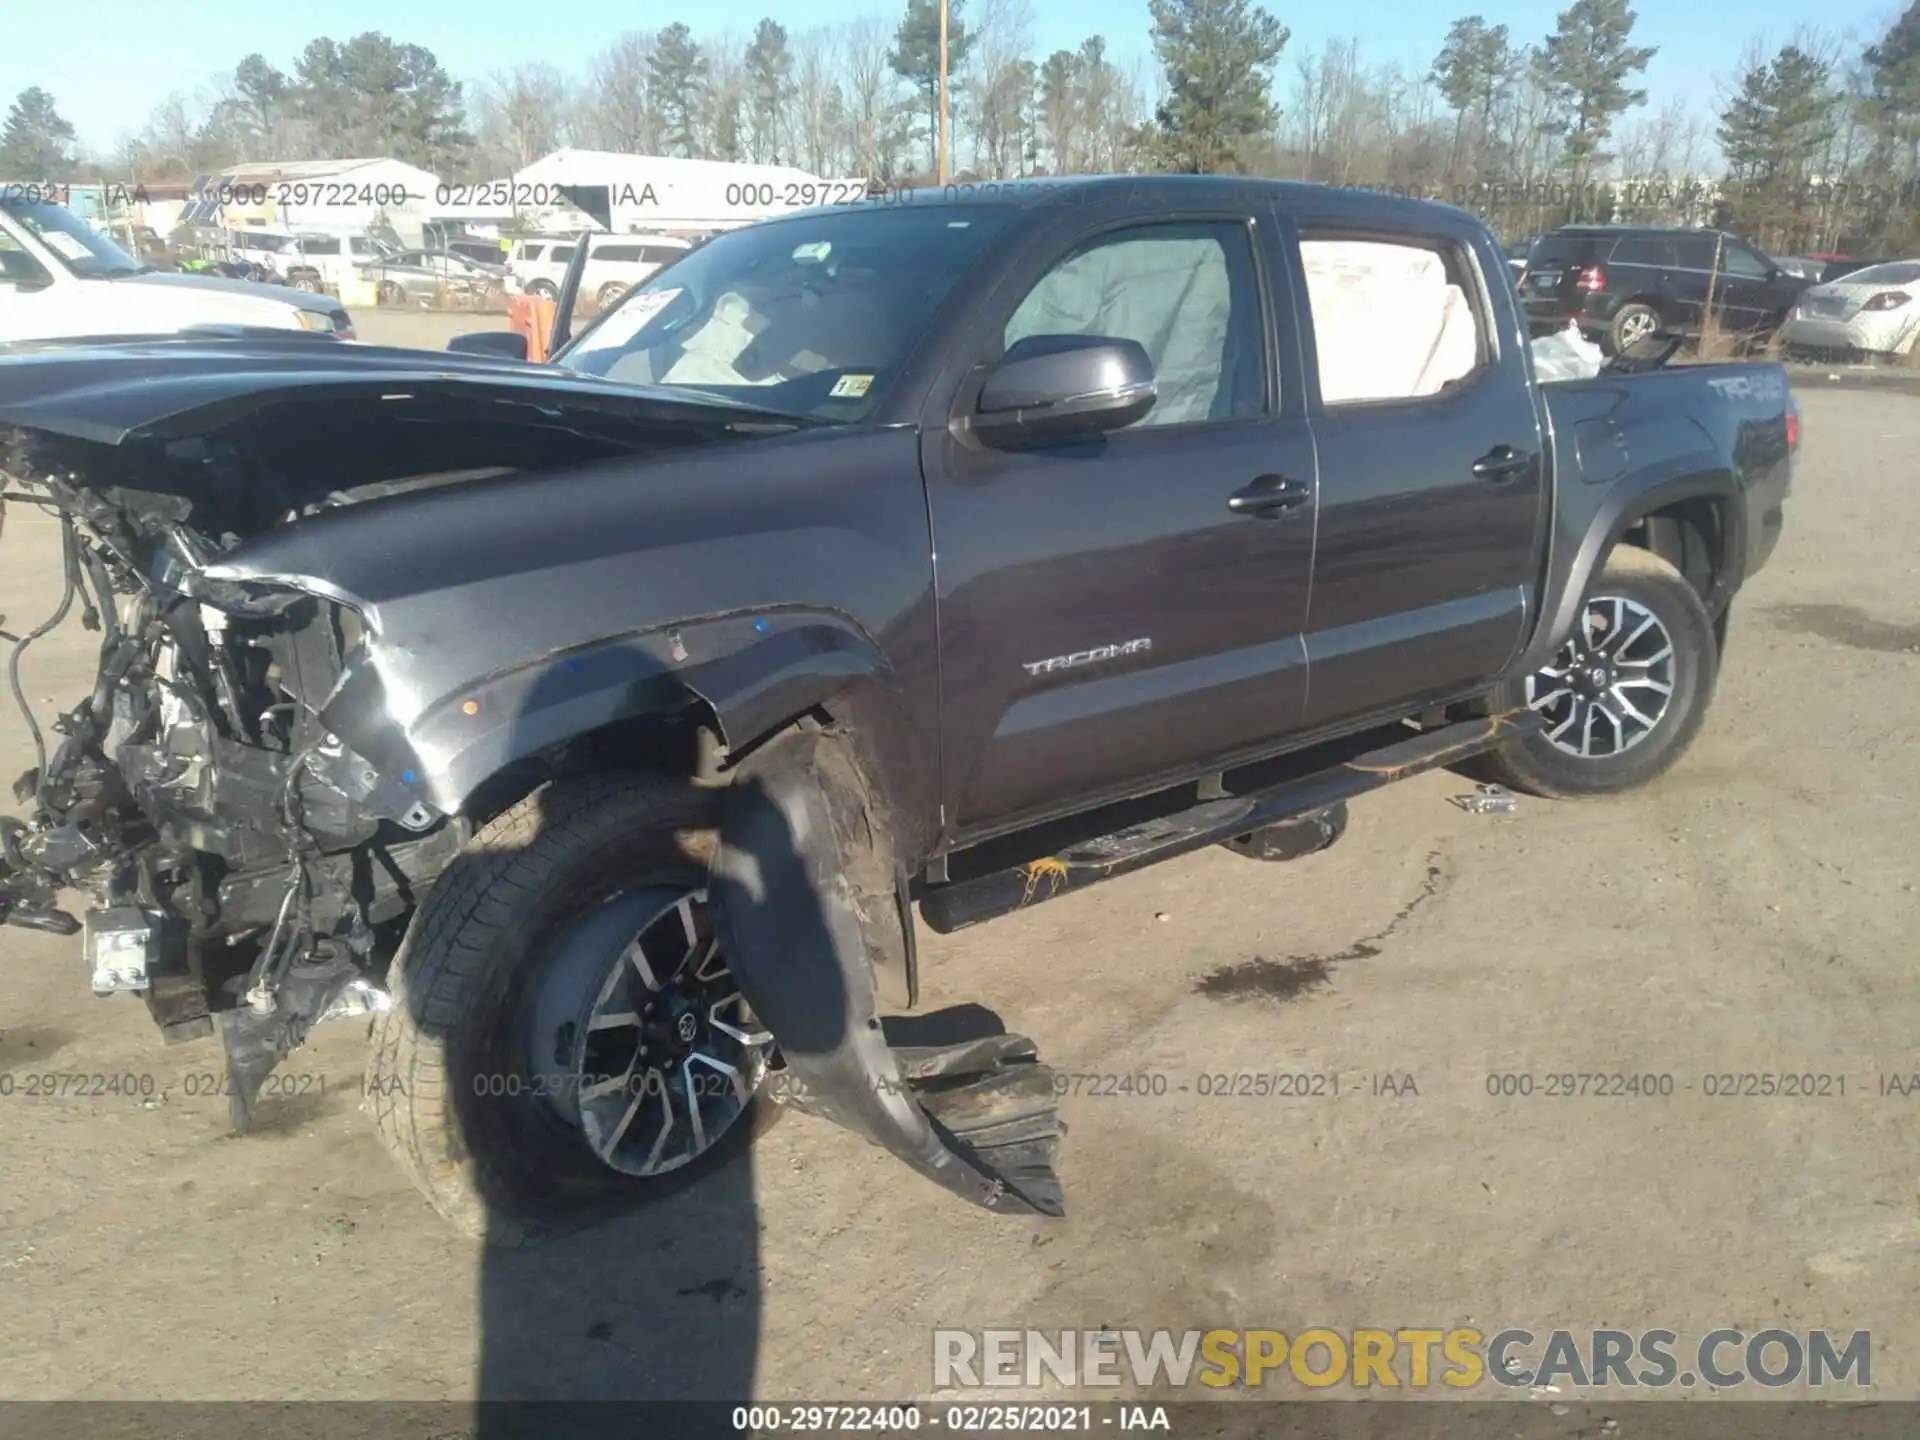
x: 804, y: 888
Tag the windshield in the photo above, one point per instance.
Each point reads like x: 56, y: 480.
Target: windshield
x: 810, y: 315
x: 74, y: 243
x: 1897, y: 272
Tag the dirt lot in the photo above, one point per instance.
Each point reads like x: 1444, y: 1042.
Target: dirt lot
x: 1755, y: 912
x: 424, y: 329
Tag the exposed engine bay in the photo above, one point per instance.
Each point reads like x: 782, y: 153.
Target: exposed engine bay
x: 244, y: 869
x: 238, y: 857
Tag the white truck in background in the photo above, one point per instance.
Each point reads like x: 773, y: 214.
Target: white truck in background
x: 62, y: 279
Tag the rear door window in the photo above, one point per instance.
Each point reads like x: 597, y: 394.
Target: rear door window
x: 1392, y: 319
x: 1696, y: 252
x: 1654, y: 251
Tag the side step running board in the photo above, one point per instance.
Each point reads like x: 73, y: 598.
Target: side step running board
x: 961, y: 903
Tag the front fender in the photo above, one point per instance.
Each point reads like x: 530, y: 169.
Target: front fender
x: 756, y: 671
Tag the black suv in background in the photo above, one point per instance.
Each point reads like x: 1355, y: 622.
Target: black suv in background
x: 1623, y: 283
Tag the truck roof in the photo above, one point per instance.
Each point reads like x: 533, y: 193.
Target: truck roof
x: 1042, y: 192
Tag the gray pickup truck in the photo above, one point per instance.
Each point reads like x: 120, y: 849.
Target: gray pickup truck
x: 599, y: 724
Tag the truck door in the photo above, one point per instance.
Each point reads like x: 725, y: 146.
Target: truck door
x: 1114, y: 611
x: 1431, y: 474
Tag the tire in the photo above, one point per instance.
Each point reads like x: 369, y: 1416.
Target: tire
x: 1540, y: 766
x: 609, y: 295
x: 307, y: 283
x: 542, y: 290
x: 459, y: 1094
x: 390, y: 293
x: 1632, y: 324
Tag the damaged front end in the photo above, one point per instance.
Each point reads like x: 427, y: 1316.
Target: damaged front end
x: 243, y: 866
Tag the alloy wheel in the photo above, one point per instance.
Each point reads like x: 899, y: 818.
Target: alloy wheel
x: 1611, y: 684
x: 640, y: 1039
x: 1635, y: 328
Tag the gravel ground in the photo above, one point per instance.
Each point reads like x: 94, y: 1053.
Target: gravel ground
x: 1754, y: 912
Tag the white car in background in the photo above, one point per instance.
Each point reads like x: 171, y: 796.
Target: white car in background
x: 1875, y: 310
x: 62, y: 279
x: 615, y: 264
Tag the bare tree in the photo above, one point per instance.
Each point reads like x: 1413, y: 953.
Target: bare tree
x: 619, y: 109
x: 724, y: 135
x: 523, y: 114
x: 877, y: 113
x: 819, y: 106
x: 996, y: 87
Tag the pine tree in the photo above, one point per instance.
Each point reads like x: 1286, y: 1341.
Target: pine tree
x: 37, y: 144
x: 916, y: 58
x: 1588, y: 66
x: 769, y: 90
x: 1218, y: 58
x: 1473, y: 69
x: 676, y: 77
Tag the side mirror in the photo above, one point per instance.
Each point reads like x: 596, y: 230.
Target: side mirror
x: 1060, y: 387
x: 501, y: 344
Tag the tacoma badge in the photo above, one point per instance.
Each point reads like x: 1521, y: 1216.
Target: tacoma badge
x: 1087, y: 657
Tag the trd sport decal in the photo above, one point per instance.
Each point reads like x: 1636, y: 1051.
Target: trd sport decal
x: 1086, y: 657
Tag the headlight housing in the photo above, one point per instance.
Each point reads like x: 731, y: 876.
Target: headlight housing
x: 314, y: 320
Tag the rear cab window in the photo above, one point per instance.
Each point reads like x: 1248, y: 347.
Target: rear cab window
x: 1563, y: 250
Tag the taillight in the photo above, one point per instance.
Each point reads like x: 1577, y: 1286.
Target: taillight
x: 1891, y: 300
x: 1793, y: 428
x: 1591, y: 277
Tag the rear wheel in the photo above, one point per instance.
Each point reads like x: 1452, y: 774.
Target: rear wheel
x: 390, y: 293
x: 1627, y: 693
x: 1633, y: 325
x: 609, y: 295
x: 565, y: 1034
x: 541, y: 290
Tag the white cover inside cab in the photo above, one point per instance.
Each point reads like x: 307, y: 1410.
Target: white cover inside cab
x: 1388, y: 323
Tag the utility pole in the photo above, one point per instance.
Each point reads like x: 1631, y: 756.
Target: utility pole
x: 943, y: 92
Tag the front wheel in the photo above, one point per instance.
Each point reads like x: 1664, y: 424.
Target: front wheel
x: 565, y: 1033
x: 1626, y: 694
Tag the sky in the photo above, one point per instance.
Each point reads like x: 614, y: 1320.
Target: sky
x: 108, y: 64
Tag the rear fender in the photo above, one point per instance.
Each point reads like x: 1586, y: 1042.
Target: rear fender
x: 1589, y: 522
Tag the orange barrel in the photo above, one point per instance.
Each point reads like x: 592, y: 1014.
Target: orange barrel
x: 532, y: 316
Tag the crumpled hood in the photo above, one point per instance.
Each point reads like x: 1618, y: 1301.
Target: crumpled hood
x: 114, y: 390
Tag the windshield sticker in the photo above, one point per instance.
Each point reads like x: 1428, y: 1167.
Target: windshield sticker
x: 851, y: 387
x: 817, y: 250
x: 630, y: 319
x: 65, y: 245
